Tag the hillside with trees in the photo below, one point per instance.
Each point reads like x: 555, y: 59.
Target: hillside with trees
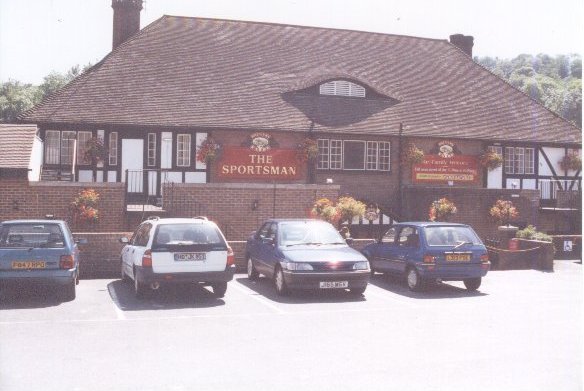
x: 555, y: 82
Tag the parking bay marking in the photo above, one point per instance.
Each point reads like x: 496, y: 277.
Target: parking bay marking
x: 257, y: 297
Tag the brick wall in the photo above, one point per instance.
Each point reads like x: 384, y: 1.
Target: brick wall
x: 473, y: 205
x: 230, y: 204
x: 20, y: 199
x: 100, y: 257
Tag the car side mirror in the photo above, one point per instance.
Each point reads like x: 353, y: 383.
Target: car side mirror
x: 350, y: 241
x: 81, y: 241
x: 124, y: 240
x: 268, y: 241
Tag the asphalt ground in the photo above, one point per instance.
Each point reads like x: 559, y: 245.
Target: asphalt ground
x: 521, y: 331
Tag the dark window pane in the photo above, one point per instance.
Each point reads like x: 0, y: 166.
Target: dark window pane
x: 354, y: 155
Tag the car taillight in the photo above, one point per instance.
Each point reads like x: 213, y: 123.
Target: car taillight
x: 230, y: 257
x: 485, y: 258
x: 429, y: 259
x: 147, y: 259
x: 66, y: 262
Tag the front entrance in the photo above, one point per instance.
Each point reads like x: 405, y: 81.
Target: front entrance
x: 132, y: 168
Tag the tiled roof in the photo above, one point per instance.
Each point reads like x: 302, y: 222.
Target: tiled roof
x: 16, y: 143
x: 192, y: 72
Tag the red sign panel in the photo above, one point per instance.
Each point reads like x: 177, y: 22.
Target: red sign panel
x: 458, y: 168
x: 273, y: 164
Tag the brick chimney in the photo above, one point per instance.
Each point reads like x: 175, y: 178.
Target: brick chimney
x: 463, y: 42
x: 126, y: 20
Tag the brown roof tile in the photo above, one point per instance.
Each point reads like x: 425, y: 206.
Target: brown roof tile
x: 16, y: 143
x: 196, y: 72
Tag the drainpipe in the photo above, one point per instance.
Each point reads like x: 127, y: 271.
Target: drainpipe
x: 74, y: 159
x: 399, y: 174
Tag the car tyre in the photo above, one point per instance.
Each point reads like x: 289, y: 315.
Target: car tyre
x: 140, y: 289
x: 69, y: 291
x: 219, y: 289
x: 413, y: 279
x: 252, y: 273
x: 281, y: 288
x: 357, y: 291
x: 472, y: 284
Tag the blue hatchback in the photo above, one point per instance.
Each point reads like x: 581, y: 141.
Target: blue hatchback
x: 39, y: 252
x: 426, y: 251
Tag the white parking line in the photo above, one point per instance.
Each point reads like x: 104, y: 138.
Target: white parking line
x: 119, y: 313
x: 374, y: 291
x: 257, y: 297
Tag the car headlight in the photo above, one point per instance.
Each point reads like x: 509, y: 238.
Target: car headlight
x: 298, y: 266
x: 362, y: 265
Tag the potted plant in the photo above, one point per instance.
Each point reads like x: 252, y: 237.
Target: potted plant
x: 441, y: 210
x: 491, y: 160
x: 208, y: 151
x: 571, y: 161
x: 307, y: 150
x: 413, y: 155
x: 325, y: 209
x: 94, y: 150
x: 84, y: 207
x: 503, y: 212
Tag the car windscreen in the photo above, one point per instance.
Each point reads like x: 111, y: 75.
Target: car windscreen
x: 308, y: 232
x: 171, y: 235
x: 31, y: 235
x: 450, y: 236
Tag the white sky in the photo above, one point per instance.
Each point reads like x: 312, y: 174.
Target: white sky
x: 39, y: 36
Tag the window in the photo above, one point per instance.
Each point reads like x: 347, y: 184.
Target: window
x: 151, y: 149
x: 52, y: 146
x: 389, y: 236
x: 519, y: 160
x: 113, y: 148
x: 353, y: 155
x: 183, y: 150
x: 342, y: 88
x: 67, y: 146
x: 82, y: 139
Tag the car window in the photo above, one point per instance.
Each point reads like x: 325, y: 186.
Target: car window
x: 408, y: 237
x: 389, y: 236
x: 32, y: 235
x: 263, y: 232
x: 450, y: 236
x: 309, y: 232
x: 142, y: 235
x: 186, y: 233
x: 273, y: 231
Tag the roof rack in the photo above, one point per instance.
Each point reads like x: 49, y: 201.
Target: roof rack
x: 201, y: 218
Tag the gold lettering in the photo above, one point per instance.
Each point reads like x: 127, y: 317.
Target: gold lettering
x: 224, y: 169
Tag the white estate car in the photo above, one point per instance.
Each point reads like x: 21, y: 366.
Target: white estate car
x: 173, y: 250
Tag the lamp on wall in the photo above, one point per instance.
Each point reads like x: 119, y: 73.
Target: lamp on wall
x: 255, y: 204
x: 329, y: 181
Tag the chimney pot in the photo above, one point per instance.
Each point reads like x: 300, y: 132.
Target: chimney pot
x: 463, y: 42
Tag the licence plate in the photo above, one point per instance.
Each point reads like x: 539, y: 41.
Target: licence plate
x: 28, y: 264
x: 458, y: 257
x: 334, y: 284
x: 190, y: 256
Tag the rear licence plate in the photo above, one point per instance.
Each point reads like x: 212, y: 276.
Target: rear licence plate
x: 334, y: 284
x: 28, y: 264
x: 190, y: 256
x: 458, y: 257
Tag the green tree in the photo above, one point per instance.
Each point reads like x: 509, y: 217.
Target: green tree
x: 16, y: 98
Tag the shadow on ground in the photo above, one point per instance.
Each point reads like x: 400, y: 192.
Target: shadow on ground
x: 22, y: 296
x: 168, y: 297
x: 440, y: 290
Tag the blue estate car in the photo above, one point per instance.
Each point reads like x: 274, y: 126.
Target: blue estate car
x: 39, y: 252
x: 426, y: 251
x: 305, y: 254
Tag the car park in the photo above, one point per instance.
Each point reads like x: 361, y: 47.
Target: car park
x: 430, y: 251
x: 39, y: 252
x: 305, y: 254
x: 177, y: 250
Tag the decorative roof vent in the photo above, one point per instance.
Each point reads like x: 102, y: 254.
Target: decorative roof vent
x: 126, y: 20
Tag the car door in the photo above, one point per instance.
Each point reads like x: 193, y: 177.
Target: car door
x: 384, y: 251
x: 257, y: 251
x: 268, y: 250
x: 408, y: 245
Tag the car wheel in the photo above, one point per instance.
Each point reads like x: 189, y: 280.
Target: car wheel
x: 281, y: 288
x: 252, y: 273
x: 140, y: 289
x: 69, y: 292
x: 472, y: 284
x: 357, y: 291
x: 413, y: 279
x: 77, y: 276
x: 219, y: 289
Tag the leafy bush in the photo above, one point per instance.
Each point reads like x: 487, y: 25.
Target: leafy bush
x: 532, y: 234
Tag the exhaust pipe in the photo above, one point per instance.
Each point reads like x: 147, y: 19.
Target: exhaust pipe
x: 154, y: 285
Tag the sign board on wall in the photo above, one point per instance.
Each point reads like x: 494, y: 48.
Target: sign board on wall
x: 260, y: 159
x: 445, y: 165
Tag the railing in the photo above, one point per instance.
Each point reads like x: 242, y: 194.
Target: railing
x: 548, y: 188
x: 145, y: 186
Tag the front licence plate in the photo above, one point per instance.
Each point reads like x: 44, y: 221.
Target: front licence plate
x: 28, y: 264
x: 190, y: 256
x: 458, y: 257
x: 334, y: 284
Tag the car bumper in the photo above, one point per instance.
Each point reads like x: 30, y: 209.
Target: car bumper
x: 453, y: 272
x: 307, y: 280
x: 147, y: 276
x: 40, y: 277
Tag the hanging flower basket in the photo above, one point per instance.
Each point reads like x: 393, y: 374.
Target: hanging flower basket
x: 503, y: 212
x: 441, y: 210
x: 413, y: 155
x: 208, y: 151
x: 571, y: 161
x: 307, y: 150
x: 491, y: 160
x: 95, y: 150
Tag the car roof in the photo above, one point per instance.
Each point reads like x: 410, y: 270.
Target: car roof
x: 432, y: 224
x: 34, y: 221
x: 178, y: 220
x: 291, y: 220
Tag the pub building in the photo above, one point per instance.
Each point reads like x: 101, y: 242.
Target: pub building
x: 189, y: 100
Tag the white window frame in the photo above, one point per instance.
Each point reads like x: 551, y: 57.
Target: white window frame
x: 519, y: 160
x: 331, y: 154
x: 323, y: 154
x: 52, y: 147
x: 384, y: 155
x: 342, y: 88
x: 364, y: 155
x: 529, y: 161
x: 113, y: 148
x: 67, y: 145
x: 336, y: 155
x: 372, y: 156
x: 151, y: 159
x: 82, y: 138
x: 183, y: 150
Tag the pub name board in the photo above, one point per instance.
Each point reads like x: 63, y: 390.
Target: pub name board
x: 444, y: 164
